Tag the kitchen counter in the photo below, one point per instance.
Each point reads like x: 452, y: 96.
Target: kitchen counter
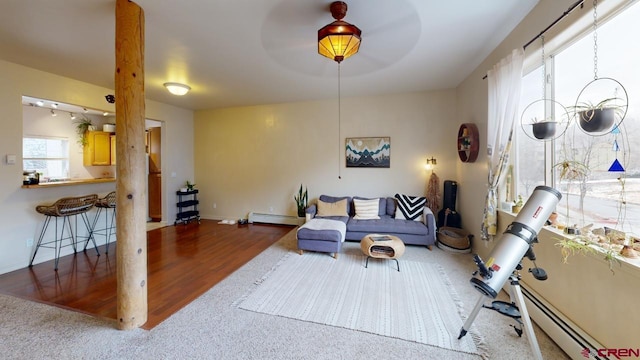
x: 69, y: 183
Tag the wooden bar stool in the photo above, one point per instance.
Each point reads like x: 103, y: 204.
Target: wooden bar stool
x: 65, y: 208
x: 104, y: 205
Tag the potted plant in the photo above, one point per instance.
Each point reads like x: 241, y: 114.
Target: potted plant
x: 571, y: 170
x: 190, y: 186
x: 517, y: 205
x: 599, y: 117
x: 82, y: 126
x: 301, y: 201
x: 543, y: 129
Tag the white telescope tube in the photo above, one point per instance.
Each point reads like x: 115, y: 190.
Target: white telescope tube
x: 516, y: 240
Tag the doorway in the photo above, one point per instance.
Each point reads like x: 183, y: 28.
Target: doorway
x: 154, y: 170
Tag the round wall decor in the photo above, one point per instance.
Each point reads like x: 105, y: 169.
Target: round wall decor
x: 468, y: 142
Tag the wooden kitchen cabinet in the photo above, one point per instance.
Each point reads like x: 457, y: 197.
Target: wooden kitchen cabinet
x: 113, y: 149
x: 154, y: 143
x: 97, y: 150
x: 155, y: 196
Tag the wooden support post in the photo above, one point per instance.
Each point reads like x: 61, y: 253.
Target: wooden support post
x: 130, y: 152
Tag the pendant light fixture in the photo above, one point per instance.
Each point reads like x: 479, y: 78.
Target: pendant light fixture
x: 338, y: 40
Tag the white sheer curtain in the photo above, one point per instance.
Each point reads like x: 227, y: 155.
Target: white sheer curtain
x: 504, y: 98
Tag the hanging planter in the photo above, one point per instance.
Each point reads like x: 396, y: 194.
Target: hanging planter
x: 544, y: 130
x: 553, y: 114
x: 537, y: 126
x: 597, y: 120
x: 602, y: 117
x: 607, y: 114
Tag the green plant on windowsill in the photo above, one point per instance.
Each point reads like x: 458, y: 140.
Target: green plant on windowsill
x: 517, y: 204
x: 301, y: 201
x: 582, y: 244
x: 577, y: 245
x: 571, y: 170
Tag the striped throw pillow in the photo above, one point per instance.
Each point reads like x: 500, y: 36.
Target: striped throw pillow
x: 366, y: 209
x: 410, y: 207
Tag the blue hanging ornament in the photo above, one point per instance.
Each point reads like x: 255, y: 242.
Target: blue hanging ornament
x: 616, y: 167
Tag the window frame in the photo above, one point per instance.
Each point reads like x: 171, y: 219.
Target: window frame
x: 47, y: 159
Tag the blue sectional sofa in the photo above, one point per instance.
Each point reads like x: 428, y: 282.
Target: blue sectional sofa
x: 412, y: 232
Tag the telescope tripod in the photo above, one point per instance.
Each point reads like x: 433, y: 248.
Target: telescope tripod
x: 516, y: 310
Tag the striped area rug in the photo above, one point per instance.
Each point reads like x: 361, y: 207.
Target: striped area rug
x: 416, y: 304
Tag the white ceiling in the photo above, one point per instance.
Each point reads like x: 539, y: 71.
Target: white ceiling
x: 250, y: 52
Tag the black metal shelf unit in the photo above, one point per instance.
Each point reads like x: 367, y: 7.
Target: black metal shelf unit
x: 187, y: 207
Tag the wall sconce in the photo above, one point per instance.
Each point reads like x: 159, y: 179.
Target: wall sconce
x: 430, y: 163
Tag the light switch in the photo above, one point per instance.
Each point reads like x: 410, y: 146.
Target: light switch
x: 11, y: 159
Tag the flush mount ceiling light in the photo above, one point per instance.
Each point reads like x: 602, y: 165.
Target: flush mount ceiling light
x: 177, y: 88
x: 338, y: 40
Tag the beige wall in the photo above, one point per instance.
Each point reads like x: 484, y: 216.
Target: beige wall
x: 254, y: 158
x: 18, y: 219
x: 585, y: 290
x: 601, y: 298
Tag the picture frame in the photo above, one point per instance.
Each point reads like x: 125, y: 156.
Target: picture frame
x: 368, y: 152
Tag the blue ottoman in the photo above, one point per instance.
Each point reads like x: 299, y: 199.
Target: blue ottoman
x: 322, y: 235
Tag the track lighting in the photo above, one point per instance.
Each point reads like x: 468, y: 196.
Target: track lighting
x: 53, y: 113
x: 54, y: 105
x: 40, y: 103
x: 72, y: 116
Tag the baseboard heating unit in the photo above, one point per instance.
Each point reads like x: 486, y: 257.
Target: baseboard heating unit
x: 568, y: 336
x: 274, y: 219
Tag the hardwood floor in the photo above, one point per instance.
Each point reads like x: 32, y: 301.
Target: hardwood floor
x: 184, y: 262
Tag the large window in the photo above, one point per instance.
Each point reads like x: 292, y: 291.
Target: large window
x: 602, y: 198
x: 47, y: 156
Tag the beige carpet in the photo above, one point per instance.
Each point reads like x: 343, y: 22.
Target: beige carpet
x: 212, y: 328
x: 417, y: 303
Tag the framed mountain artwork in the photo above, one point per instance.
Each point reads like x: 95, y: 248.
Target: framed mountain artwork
x: 368, y: 152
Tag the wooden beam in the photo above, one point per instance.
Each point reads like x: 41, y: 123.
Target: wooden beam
x: 130, y: 151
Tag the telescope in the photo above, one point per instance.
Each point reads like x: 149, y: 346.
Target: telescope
x: 505, y: 261
x: 516, y: 241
